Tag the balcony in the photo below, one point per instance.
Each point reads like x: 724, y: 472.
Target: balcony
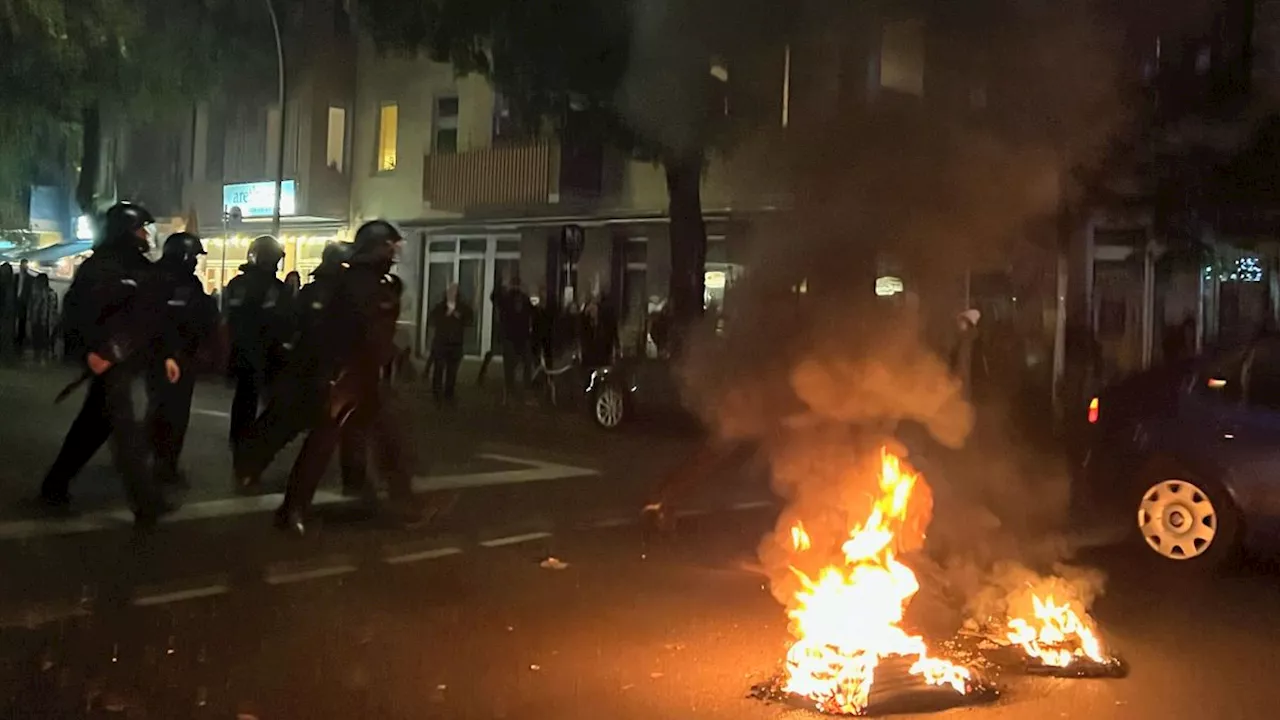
x: 508, y: 176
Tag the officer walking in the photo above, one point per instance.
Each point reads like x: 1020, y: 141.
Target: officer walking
x: 357, y: 340
x: 115, y: 305
x: 257, y: 306
x: 190, y: 320
x: 300, y: 393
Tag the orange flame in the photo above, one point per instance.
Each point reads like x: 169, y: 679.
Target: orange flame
x: 847, y: 620
x: 1056, y: 635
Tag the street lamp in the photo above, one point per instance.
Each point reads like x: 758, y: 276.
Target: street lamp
x: 275, y: 28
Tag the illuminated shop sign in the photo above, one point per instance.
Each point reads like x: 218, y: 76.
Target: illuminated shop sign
x: 257, y: 199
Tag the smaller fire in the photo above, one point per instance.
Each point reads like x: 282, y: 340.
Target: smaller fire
x: 1056, y: 636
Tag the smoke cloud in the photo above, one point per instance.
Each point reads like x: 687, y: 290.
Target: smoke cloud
x: 820, y: 374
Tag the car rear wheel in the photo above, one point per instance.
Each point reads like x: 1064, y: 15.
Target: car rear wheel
x: 1187, y: 520
x: 609, y: 407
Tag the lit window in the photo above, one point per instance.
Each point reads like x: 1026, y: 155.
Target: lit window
x: 902, y: 57
x: 336, y: 145
x: 388, y: 119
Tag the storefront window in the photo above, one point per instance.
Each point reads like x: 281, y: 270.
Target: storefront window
x: 302, y: 253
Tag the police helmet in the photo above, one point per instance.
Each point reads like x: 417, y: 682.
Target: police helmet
x: 335, y: 253
x: 183, y: 246
x: 266, y: 251
x: 125, y: 219
x: 377, y: 237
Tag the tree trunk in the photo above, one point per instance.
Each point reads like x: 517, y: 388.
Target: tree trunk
x: 90, y: 158
x: 688, y: 237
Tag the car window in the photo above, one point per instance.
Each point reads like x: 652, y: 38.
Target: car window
x: 1263, y: 378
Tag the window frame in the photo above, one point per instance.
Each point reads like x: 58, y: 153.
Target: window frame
x: 453, y: 123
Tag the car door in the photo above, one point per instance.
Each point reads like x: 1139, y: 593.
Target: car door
x: 1250, y: 435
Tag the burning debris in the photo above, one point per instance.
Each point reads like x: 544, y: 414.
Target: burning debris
x: 852, y: 654
x: 847, y: 617
x: 1045, y: 620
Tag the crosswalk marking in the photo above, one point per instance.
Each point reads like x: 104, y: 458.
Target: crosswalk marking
x: 532, y: 471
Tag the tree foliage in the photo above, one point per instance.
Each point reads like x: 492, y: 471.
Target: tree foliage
x: 60, y: 58
x: 635, y: 74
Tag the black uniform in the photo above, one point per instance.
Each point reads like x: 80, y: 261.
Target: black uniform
x: 298, y: 399
x: 116, y: 307
x: 190, y: 319
x: 258, y: 310
x: 356, y: 340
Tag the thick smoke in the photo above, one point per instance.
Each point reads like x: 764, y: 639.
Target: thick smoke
x: 820, y: 374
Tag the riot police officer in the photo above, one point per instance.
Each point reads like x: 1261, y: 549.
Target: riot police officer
x: 299, y: 395
x: 115, y: 307
x: 190, y: 320
x: 257, y: 309
x: 356, y: 340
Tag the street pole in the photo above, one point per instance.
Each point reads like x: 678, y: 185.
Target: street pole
x: 275, y: 28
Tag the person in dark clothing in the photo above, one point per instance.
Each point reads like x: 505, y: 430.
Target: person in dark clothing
x: 8, y: 310
x: 355, y: 340
x: 190, y: 320
x: 42, y: 313
x: 293, y: 282
x: 257, y: 310
x: 543, y: 329
x: 300, y: 392
x: 599, y: 335
x: 116, y: 305
x: 24, y: 282
x: 449, y: 319
x: 515, y: 326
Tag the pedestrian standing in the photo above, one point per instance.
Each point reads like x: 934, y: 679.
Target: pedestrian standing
x: 293, y: 283
x: 116, y: 307
x: 257, y: 310
x: 8, y: 311
x: 515, y: 325
x: 358, y: 337
x: 190, y: 321
x: 449, y: 320
x: 543, y: 328
x: 42, y: 314
x: 23, y: 290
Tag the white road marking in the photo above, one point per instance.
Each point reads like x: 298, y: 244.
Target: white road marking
x: 284, y: 578
x: 614, y: 522
x: 423, y: 555
x: 533, y: 471
x: 180, y: 595
x: 752, y: 505
x: 514, y: 539
x: 210, y: 413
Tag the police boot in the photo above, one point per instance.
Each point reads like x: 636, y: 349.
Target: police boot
x: 291, y: 521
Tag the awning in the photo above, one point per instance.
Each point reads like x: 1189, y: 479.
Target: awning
x: 54, y: 253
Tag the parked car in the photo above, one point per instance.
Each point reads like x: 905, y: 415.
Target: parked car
x: 615, y: 395
x: 1188, y: 455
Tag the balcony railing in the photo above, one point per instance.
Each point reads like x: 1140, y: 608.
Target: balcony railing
x: 505, y: 176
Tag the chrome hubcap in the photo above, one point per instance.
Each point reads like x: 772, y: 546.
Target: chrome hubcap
x: 609, y: 408
x: 1177, y: 519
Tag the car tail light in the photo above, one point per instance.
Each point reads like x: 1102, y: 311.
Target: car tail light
x: 1093, y: 411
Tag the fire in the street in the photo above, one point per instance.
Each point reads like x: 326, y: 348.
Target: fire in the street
x: 847, y: 619
x: 1056, y: 635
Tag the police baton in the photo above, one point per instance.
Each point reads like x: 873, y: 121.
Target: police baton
x: 85, y: 376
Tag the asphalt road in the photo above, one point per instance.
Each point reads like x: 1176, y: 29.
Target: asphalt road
x: 215, y: 615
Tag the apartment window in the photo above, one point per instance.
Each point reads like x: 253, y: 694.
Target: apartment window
x: 388, y: 121
x: 445, y: 125
x: 336, y: 142
x: 902, y: 57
